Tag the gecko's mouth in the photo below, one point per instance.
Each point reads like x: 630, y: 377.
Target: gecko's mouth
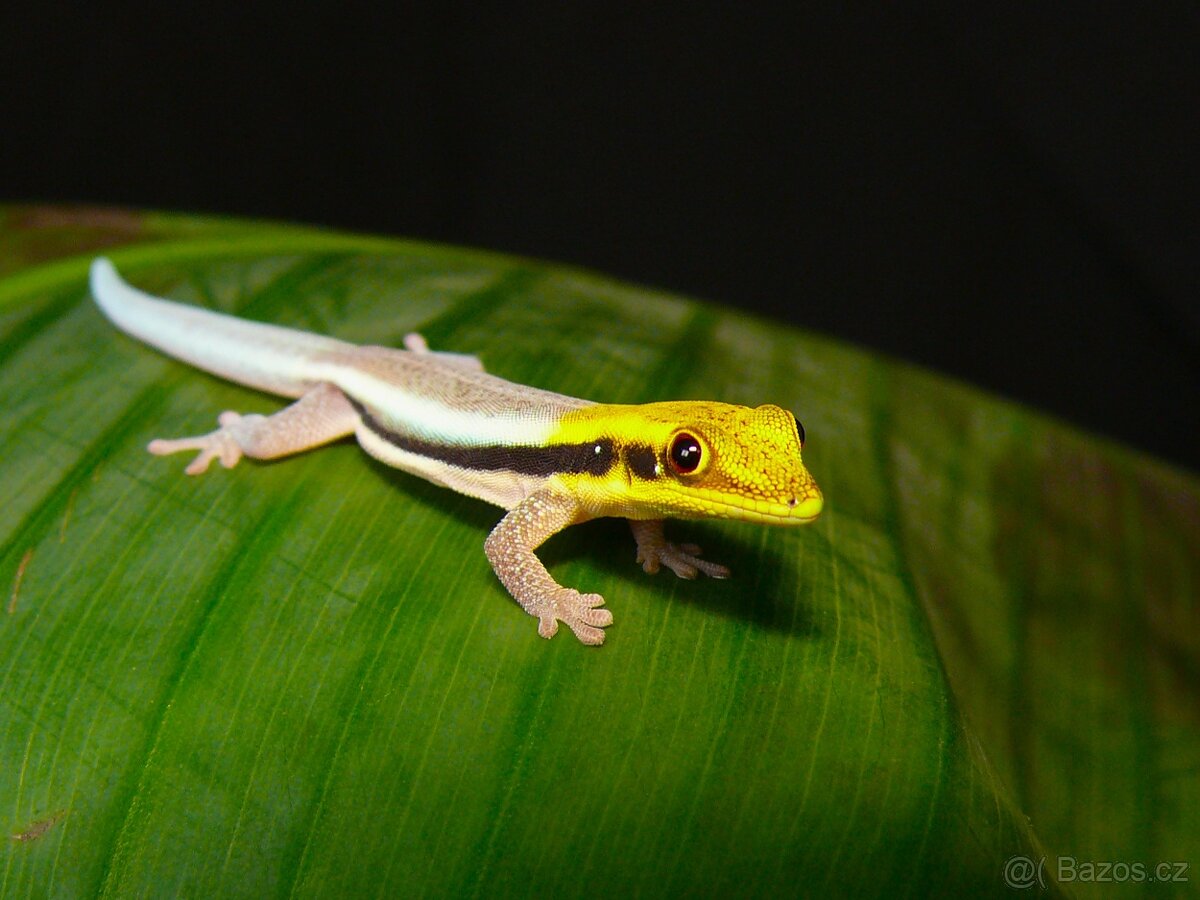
x: 798, y: 510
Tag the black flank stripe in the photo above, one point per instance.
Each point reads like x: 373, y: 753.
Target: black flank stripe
x: 573, y: 459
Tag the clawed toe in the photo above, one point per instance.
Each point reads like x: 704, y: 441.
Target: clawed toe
x: 219, y: 445
x: 682, y: 559
x: 654, y: 550
x: 582, y: 613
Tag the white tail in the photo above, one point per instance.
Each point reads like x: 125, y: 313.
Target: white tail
x: 268, y: 357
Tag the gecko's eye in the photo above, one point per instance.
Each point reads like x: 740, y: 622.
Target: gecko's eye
x: 685, y: 454
x: 799, y: 430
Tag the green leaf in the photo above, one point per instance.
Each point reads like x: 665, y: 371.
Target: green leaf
x: 302, y: 677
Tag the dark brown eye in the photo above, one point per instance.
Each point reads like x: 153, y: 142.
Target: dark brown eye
x: 685, y: 454
x: 799, y: 430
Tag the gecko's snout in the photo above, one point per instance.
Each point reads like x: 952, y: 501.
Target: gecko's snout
x: 806, y: 507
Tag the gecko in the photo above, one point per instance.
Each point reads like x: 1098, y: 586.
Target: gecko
x: 549, y: 460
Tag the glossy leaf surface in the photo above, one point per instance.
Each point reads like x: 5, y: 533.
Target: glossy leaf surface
x: 302, y: 678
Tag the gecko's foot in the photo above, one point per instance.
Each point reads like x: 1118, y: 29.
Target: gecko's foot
x: 682, y: 559
x: 416, y: 343
x: 220, y: 444
x: 581, y: 613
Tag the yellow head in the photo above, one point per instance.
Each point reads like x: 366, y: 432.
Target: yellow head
x: 691, y: 459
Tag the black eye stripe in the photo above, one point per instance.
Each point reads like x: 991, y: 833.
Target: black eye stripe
x: 642, y: 461
x: 685, y: 453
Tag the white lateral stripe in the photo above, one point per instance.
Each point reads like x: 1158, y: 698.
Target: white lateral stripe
x: 505, y: 489
x: 436, y: 420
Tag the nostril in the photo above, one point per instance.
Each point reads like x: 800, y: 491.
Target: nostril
x: 792, y: 502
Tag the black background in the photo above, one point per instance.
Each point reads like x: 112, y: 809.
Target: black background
x: 1007, y: 196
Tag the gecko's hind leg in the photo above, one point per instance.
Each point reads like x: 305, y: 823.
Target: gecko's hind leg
x: 414, y: 343
x: 320, y: 416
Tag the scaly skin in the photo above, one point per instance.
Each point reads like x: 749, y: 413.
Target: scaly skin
x: 750, y: 467
x: 550, y: 460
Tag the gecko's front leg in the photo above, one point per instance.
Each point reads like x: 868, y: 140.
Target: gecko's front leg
x: 510, y: 549
x: 653, y: 550
x: 320, y: 416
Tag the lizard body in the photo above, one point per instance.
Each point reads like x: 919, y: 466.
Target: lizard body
x: 550, y: 460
